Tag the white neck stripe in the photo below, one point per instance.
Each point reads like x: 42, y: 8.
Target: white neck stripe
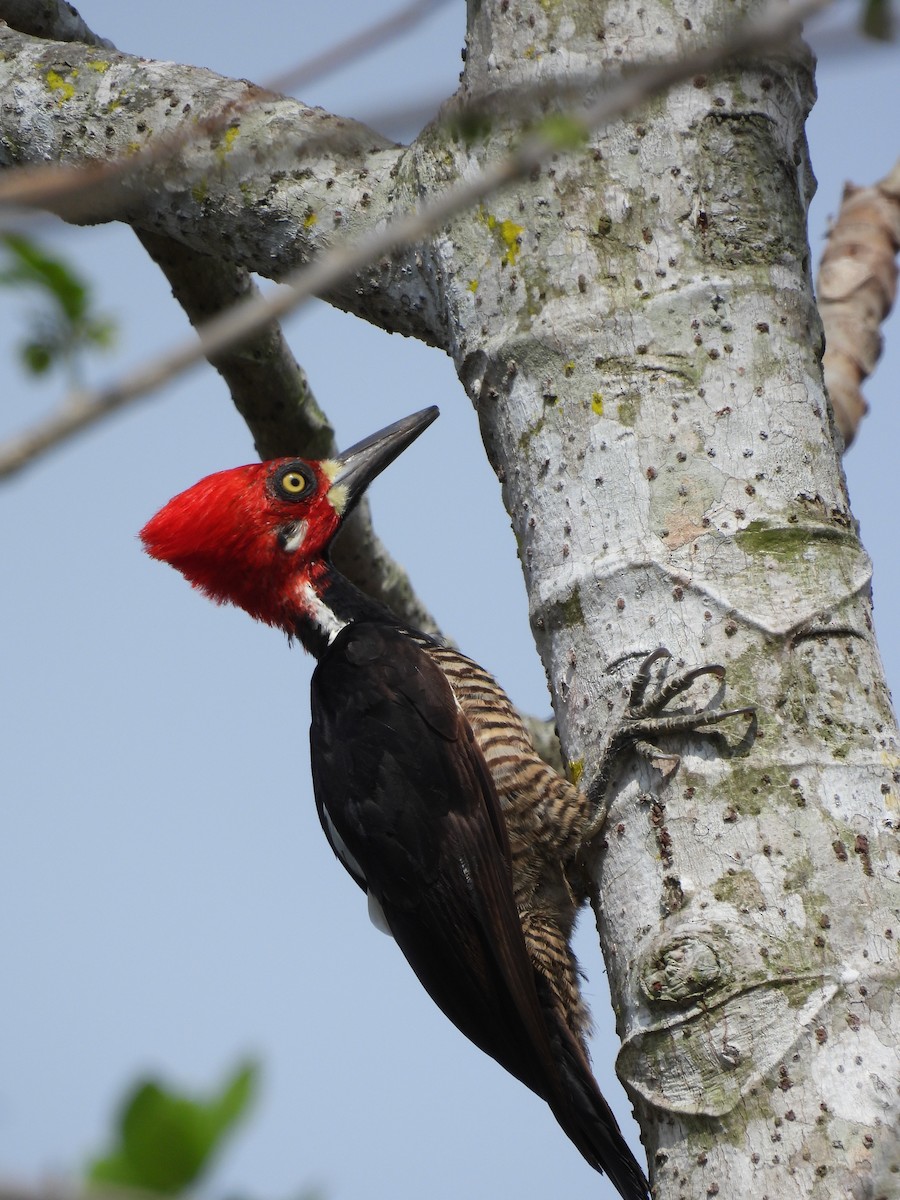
x: 324, y: 619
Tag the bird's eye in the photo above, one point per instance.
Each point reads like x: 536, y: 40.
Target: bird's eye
x: 294, y: 482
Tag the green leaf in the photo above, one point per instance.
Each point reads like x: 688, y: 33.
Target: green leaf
x: 878, y: 20
x: 167, y: 1140
x: 37, y: 356
x: 33, y: 265
x: 66, y: 326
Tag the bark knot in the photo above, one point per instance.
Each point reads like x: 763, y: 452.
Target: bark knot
x: 683, y: 968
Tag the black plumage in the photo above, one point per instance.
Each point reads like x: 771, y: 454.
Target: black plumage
x: 408, y: 803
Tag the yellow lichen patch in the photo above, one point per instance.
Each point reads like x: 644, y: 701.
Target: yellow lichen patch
x: 200, y: 191
x: 597, y: 403
x: 569, y: 369
x: 229, y: 137
x: 99, y: 65
x: 309, y: 220
x: 576, y: 770
x: 472, y: 285
x: 509, y: 233
x: 64, y: 88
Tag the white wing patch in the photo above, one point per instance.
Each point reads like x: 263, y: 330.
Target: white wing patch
x: 376, y: 912
x: 377, y: 917
x: 340, y: 849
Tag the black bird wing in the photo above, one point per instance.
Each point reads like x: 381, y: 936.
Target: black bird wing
x: 408, y: 805
x: 407, y: 801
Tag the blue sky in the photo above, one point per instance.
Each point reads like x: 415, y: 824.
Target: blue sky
x: 169, y: 902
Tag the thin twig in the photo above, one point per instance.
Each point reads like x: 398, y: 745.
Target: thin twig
x: 356, y: 45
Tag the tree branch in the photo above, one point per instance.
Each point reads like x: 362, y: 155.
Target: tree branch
x: 268, y: 386
x: 288, y: 421
x: 53, y: 19
x: 328, y: 275
x: 225, y: 177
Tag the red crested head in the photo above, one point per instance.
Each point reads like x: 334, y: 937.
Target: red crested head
x: 258, y: 536
x: 251, y: 535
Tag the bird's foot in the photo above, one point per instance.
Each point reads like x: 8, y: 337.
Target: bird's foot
x: 638, y: 720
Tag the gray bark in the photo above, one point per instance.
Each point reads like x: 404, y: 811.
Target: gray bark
x: 646, y: 365
x: 636, y: 328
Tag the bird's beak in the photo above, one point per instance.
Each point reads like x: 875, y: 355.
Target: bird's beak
x: 358, y: 466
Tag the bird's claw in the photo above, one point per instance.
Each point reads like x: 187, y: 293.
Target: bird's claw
x: 639, y: 720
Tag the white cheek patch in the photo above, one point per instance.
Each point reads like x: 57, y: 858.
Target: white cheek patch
x: 296, y: 537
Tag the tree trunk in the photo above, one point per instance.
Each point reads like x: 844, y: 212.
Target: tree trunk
x: 636, y: 328
x: 641, y: 342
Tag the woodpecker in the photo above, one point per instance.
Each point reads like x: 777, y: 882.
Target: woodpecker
x: 428, y: 787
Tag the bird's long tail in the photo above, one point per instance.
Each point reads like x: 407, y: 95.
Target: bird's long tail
x: 588, y: 1121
